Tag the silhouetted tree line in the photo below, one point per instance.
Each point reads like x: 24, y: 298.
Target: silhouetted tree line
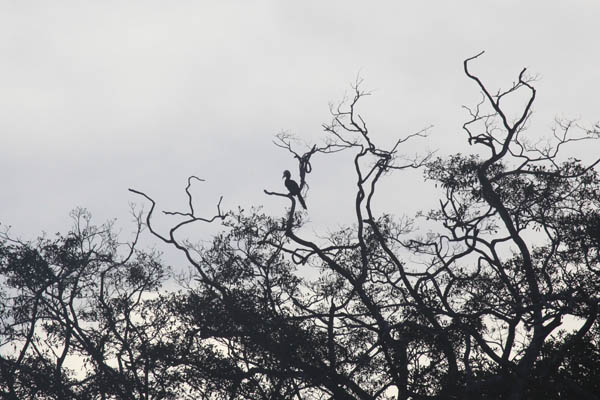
x: 498, y: 301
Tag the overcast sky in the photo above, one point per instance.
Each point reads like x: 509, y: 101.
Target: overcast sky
x: 100, y: 96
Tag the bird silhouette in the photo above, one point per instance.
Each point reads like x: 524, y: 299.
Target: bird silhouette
x: 293, y: 187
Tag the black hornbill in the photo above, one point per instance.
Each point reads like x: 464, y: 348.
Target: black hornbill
x: 293, y: 187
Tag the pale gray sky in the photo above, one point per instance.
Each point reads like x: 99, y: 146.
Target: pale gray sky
x: 99, y: 96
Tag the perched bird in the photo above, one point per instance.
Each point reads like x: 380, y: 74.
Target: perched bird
x: 293, y: 187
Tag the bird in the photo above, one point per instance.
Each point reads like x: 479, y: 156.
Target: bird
x: 293, y: 187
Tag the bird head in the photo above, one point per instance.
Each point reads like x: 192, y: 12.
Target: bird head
x: 286, y: 174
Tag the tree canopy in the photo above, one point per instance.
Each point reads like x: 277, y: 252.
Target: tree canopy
x: 498, y: 300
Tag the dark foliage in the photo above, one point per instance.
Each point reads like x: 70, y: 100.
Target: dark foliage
x: 498, y: 301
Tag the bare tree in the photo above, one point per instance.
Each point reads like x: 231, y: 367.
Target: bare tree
x: 513, y: 261
x: 514, y: 264
x: 498, y: 301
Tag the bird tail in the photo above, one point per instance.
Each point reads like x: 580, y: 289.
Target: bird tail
x: 301, y: 200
